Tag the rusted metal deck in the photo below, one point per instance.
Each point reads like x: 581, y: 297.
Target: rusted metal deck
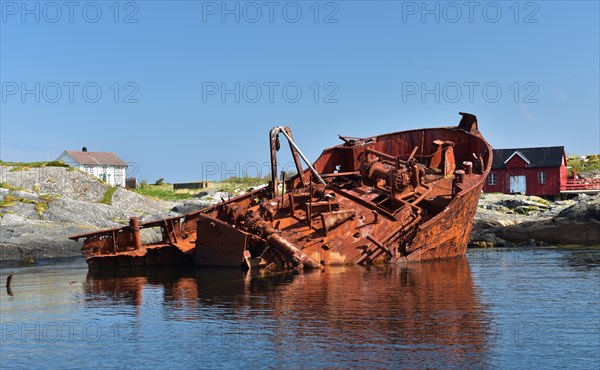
x: 399, y: 197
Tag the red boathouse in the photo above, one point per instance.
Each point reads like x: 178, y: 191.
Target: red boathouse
x: 531, y: 171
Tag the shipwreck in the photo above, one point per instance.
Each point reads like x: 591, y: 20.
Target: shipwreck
x: 401, y: 197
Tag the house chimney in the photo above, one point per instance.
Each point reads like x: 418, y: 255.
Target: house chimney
x: 84, y: 149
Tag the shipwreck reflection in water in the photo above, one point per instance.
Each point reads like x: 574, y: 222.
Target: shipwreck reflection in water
x: 421, y: 314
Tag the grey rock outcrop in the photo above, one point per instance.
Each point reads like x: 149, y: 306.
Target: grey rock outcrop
x: 509, y: 220
x: 41, y: 207
x: 23, y: 239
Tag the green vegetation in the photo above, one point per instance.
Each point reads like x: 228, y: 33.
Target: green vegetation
x: 542, y: 201
x: 5, y: 185
x: 160, y: 181
x: 108, y: 195
x: 242, y: 183
x: 120, y: 220
x: 525, y: 210
x: 9, y: 201
x: 41, y: 207
x: 161, y: 192
x: 23, y: 166
x: 164, y: 191
x: 48, y: 197
x: 28, y: 260
x: 248, y: 181
x: 591, y: 163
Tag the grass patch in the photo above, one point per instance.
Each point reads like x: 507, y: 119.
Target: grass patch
x: 165, y: 191
x: 108, y: 195
x: 543, y: 201
x: 35, y: 164
x: 5, y: 185
x: 242, y: 183
x: 161, y: 192
x: 28, y: 260
x: 17, y: 169
x: 24, y: 166
x: 48, y: 197
x: 9, y: 201
x: 41, y: 207
x: 527, y: 209
x: 44, y: 203
x: 120, y: 221
x: 246, y: 180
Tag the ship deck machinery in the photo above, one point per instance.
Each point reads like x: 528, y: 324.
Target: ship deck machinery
x: 400, y: 197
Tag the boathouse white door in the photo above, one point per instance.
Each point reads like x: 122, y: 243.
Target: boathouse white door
x: 517, y: 184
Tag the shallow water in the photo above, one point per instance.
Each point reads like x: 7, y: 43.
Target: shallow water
x: 494, y: 308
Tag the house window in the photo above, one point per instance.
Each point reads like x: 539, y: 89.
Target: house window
x: 541, y: 178
x: 492, y: 179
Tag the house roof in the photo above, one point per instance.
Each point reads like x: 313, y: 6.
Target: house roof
x: 518, y: 152
x: 97, y: 158
x: 551, y: 156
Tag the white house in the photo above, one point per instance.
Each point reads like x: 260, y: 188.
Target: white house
x: 106, y: 166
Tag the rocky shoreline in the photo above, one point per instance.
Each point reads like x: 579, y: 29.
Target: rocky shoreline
x: 517, y: 220
x: 41, y: 207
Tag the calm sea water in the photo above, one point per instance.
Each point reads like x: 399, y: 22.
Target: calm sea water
x: 493, y: 309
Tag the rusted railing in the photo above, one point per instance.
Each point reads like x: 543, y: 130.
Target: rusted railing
x: 581, y: 184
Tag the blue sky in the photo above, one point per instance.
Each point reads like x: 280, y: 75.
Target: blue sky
x: 189, y: 89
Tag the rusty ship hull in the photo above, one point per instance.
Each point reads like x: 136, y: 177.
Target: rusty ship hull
x: 408, y: 196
